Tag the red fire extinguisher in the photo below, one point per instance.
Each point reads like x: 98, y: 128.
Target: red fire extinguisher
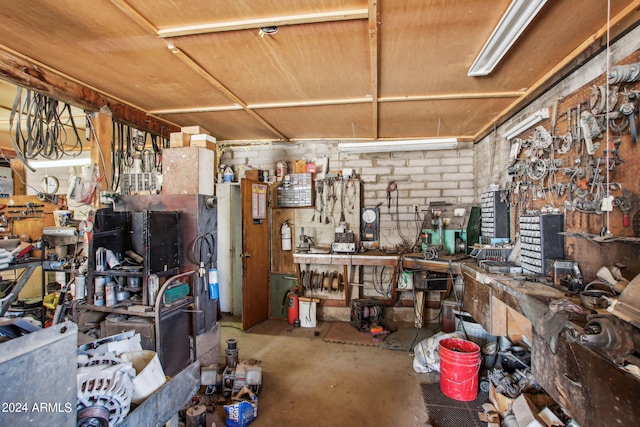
x: 291, y: 299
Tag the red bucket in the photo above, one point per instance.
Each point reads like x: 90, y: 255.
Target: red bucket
x: 459, y: 367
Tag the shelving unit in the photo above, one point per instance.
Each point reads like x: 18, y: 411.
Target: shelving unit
x: 151, y: 234
x: 155, y: 236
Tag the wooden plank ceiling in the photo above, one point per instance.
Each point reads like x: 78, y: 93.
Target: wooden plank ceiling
x: 335, y: 69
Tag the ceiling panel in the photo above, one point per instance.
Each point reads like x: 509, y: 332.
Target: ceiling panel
x: 194, y: 12
x: 445, y: 118
x: 237, y: 83
x: 427, y: 47
x: 226, y: 125
x: 298, y: 63
x: 103, y: 48
x: 322, y: 122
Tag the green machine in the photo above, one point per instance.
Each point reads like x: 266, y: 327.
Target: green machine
x: 449, y: 229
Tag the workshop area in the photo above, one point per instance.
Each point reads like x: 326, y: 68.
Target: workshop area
x: 320, y: 213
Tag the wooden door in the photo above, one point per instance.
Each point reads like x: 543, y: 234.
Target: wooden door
x: 255, y: 252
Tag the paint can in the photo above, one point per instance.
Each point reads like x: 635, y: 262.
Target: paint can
x: 81, y: 282
x: 99, y: 285
x: 98, y: 300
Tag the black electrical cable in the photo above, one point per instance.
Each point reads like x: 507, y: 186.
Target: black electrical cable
x: 41, y: 130
x: 199, y: 242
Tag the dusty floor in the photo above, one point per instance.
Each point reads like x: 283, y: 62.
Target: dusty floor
x: 310, y: 382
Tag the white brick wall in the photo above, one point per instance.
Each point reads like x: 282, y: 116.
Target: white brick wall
x: 421, y: 177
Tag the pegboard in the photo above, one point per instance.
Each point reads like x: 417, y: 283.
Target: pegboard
x: 556, y: 170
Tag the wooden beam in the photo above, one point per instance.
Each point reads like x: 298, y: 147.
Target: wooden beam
x: 218, y: 109
x: 312, y: 103
x: 26, y: 72
x: 277, y: 21
x: 222, y: 88
x: 544, y: 80
x: 19, y: 176
x: 452, y: 96
x: 373, y: 60
x: 135, y: 15
x: 101, y: 148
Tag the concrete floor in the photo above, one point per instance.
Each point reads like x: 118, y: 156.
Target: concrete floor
x: 310, y: 382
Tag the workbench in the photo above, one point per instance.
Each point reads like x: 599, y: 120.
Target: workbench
x: 582, y: 380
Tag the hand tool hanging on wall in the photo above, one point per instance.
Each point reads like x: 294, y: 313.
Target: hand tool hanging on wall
x: 342, y: 191
x: 629, y: 109
x: 625, y: 204
x: 591, y: 130
x: 391, y: 186
x: 319, y: 200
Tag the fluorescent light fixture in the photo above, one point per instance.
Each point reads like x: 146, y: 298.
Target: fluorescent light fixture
x: 519, y: 14
x: 73, y: 161
x: 405, y: 145
x: 524, y: 124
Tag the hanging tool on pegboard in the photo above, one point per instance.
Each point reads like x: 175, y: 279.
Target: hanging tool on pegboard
x: 624, y: 203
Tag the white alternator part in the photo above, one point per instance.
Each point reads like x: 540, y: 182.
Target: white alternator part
x: 106, y: 386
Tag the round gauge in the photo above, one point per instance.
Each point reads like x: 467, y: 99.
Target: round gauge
x: 369, y: 216
x: 50, y: 184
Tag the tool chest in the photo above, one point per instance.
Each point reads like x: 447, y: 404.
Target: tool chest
x: 495, y: 215
x: 541, y: 241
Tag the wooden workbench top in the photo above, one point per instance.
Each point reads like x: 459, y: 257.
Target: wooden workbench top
x: 361, y: 258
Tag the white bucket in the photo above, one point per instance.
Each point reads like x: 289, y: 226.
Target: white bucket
x: 307, y: 313
x: 149, y: 373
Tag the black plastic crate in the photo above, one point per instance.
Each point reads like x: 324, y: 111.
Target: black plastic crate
x: 365, y: 313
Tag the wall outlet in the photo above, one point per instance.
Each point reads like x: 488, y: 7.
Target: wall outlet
x: 415, y: 208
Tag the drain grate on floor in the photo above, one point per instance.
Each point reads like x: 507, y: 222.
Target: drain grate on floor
x: 446, y: 412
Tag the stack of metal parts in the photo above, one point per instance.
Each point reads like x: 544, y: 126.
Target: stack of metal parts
x: 322, y: 281
x: 512, y: 374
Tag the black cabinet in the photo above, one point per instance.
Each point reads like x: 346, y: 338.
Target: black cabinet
x: 541, y: 241
x: 495, y: 215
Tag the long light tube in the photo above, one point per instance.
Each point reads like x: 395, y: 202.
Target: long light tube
x: 514, y: 21
x: 75, y: 161
x: 404, y: 145
x: 526, y: 123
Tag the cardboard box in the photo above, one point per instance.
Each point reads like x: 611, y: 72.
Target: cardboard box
x: 299, y: 166
x: 178, y: 139
x: 188, y: 170
x: 202, y: 140
x: 192, y: 130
